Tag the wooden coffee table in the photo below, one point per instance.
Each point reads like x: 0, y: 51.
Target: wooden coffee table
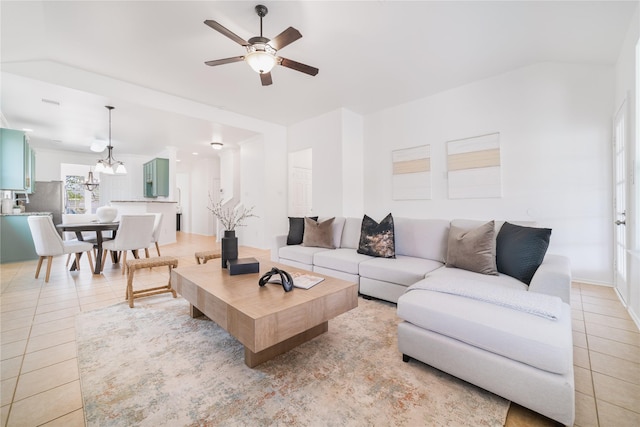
x: 267, y: 320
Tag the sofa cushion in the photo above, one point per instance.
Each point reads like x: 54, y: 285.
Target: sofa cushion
x: 299, y: 253
x: 521, y: 250
x: 421, y: 238
x: 351, y: 233
x: 377, y: 239
x: 542, y: 343
x: 336, y: 229
x: 473, y: 250
x: 318, y: 234
x: 342, y: 259
x: 296, y: 229
x: 459, y: 275
x: 402, y: 270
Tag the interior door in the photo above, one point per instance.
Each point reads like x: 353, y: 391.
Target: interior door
x: 620, y: 201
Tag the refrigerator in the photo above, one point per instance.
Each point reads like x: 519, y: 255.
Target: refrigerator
x: 47, y: 197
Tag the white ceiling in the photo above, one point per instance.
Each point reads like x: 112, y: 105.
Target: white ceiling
x: 371, y: 55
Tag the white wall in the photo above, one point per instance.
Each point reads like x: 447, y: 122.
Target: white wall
x: 263, y: 184
x: 352, y: 164
x: 201, y: 175
x: 252, y: 193
x: 323, y: 134
x: 555, y: 132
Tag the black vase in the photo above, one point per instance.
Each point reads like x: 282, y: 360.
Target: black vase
x: 229, y: 247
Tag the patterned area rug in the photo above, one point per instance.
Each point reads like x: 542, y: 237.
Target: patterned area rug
x: 154, y: 365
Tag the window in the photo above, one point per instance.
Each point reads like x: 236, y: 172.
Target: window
x: 77, y: 199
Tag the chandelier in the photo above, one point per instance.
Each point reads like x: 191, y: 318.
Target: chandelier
x: 90, y: 183
x: 109, y: 165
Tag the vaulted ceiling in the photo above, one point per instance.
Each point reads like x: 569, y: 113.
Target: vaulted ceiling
x: 371, y: 55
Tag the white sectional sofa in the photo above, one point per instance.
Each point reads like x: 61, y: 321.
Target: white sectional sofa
x: 489, y: 330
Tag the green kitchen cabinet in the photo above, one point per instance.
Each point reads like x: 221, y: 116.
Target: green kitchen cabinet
x: 17, y: 160
x: 156, y: 178
x: 16, y: 243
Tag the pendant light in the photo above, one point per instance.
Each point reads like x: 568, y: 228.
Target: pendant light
x: 110, y: 166
x: 90, y: 183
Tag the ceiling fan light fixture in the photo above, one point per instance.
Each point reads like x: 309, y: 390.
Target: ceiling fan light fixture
x: 261, y: 58
x: 216, y: 145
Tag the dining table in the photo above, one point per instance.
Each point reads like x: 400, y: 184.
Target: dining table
x: 98, y: 227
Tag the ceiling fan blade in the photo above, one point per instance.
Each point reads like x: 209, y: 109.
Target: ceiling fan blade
x: 285, y: 38
x: 226, y: 32
x: 265, y: 78
x: 312, y: 71
x: 225, y: 61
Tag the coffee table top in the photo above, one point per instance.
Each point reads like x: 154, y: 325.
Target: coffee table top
x: 243, y: 293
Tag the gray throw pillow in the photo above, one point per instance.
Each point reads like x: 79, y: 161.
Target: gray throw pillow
x: 318, y: 234
x: 473, y: 250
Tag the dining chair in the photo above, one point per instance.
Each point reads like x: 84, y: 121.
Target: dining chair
x: 134, y: 233
x: 86, y: 235
x: 48, y: 243
x: 157, y: 222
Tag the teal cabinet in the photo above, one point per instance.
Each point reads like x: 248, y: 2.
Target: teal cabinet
x: 16, y: 243
x: 155, y: 175
x: 16, y: 161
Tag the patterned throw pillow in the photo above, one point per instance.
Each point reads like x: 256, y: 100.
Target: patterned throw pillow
x: 377, y: 239
x: 473, y: 250
x: 318, y: 234
x: 521, y: 250
x: 296, y: 229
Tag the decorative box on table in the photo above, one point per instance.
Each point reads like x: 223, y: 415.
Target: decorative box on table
x: 243, y: 266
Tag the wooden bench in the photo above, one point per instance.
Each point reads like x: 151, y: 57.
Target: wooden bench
x: 136, y: 264
x: 207, y: 255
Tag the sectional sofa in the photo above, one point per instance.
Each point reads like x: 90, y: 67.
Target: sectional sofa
x: 509, y: 337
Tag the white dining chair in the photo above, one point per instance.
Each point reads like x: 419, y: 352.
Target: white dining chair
x: 134, y: 233
x: 48, y: 243
x: 157, y: 222
x: 86, y: 235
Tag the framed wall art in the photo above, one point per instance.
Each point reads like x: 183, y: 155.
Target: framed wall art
x: 474, y: 167
x: 411, y: 173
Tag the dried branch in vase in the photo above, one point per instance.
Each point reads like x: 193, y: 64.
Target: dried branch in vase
x: 230, y: 217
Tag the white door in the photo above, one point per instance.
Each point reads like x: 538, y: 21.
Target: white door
x: 300, y: 183
x: 620, y: 201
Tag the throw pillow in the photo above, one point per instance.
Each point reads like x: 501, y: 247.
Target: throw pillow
x: 520, y: 250
x: 296, y: 229
x: 473, y: 250
x: 377, y: 239
x: 318, y: 234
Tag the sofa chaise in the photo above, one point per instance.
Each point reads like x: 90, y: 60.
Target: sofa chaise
x: 492, y: 330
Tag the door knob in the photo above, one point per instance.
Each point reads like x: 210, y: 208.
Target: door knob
x: 618, y: 222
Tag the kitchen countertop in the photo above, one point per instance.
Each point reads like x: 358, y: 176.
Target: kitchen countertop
x: 25, y: 213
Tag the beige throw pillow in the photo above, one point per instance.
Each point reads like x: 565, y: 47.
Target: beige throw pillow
x: 473, y: 250
x: 318, y: 234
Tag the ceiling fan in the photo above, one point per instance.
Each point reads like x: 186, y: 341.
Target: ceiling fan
x: 261, y: 51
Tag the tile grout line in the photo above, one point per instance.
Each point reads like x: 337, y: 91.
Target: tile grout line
x: 24, y: 354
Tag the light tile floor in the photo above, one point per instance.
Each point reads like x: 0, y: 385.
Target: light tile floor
x: 39, y: 371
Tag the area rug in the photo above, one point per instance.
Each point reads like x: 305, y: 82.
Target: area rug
x: 154, y: 365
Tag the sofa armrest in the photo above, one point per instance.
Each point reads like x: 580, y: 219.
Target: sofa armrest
x: 278, y: 242
x: 553, y: 277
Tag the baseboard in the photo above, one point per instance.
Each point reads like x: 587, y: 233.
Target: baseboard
x: 591, y: 282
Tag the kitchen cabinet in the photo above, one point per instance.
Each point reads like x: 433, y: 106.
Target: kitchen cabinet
x: 17, y: 159
x: 156, y: 178
x: 16, y: 243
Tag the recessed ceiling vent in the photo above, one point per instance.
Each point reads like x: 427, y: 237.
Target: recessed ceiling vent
x: 50, y: 101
